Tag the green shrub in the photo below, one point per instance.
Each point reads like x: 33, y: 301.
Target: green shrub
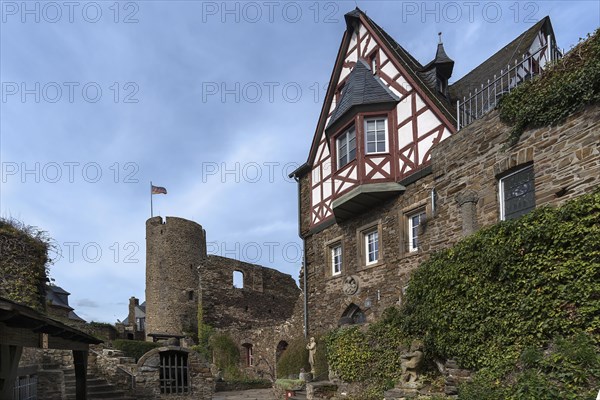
x: 226, y: 355
x: 134, y: 348
x: 293, y: 359
x: 511, y: 286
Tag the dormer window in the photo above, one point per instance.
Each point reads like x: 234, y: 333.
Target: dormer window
x: 346, y: 147
x: 375, y: 135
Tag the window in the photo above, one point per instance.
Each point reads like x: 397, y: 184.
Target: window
x: 372, y: 247
x: 414, y: 221
x: 352, y: 315
x: 375, y: 136
x: 238, y: 279
x: 346, y: 147
x: 248, y: 354
x: 517, y: 193
x: 336, y: 259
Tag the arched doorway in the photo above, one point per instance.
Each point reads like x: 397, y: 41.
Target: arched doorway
x: 281, y: 347
x: 352, y: 315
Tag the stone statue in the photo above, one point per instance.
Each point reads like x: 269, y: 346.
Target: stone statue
x: 411, y: 362
x: 312, y: 350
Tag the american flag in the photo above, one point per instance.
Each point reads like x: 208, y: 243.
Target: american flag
x: 158, y: 190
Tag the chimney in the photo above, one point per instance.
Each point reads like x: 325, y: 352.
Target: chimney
x: 133, y: 303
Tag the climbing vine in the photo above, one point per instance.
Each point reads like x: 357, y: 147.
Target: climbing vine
x: 566, y: 87
x: 24, y: 263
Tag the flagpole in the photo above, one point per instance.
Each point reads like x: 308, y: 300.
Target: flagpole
x: 151, y: 208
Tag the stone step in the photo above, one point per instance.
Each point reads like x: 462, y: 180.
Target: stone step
x: 97, y: 388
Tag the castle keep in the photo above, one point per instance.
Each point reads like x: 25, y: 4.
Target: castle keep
x: 181, y: 279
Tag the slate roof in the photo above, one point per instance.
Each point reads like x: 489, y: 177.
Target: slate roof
x: 498, y: 61
x: 362, y: 87
x: 59, y: 297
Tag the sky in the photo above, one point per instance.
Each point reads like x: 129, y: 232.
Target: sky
x: 216, y: 101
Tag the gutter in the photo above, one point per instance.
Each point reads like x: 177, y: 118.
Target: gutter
x: 304, y: 269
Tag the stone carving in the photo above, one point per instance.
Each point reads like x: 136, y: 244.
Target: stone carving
x: 312, y: 350
x: 350, y: 285
x: 410, y: 363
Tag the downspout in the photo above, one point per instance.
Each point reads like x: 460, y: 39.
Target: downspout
x: 304, y: 270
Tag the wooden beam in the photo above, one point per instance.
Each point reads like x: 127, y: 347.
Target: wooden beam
x: 80, y: 360
x: 9, y: 362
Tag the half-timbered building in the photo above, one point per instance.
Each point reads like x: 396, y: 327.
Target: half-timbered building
x: 379, y: 192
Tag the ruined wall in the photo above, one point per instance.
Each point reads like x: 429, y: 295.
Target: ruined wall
x: 267, y: 297
x: 465, y: 170
x: 265, y: 340
x: 174, y: 248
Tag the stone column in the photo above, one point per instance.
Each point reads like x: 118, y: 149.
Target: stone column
x: 467, y: 201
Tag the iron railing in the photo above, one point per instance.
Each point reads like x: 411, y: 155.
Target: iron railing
x: 25, y: 388
x: 486, y: 98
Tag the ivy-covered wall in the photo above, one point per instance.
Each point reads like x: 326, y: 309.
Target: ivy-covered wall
x: 517, y: 302
x: 23, y: 264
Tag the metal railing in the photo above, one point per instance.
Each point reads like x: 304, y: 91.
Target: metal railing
x: 486, y: 98
x: 25, y: 388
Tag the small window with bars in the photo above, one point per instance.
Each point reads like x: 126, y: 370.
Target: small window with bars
x: 174, y: 373
x: 25, y: 388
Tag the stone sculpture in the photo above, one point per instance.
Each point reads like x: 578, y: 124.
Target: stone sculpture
x: 312, y: 350
x: 411, y: 362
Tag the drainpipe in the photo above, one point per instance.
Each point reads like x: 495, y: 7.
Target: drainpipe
x: 305, y: 272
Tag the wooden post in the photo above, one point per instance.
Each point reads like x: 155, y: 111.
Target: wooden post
x: 80, y: 358
x: 9, y: 362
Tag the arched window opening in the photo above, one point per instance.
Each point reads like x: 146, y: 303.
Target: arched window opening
x: 248, y: 354
x: 352, y: 315
x: 238, y: 279
x: 281, y: 347
x: 174, y: 372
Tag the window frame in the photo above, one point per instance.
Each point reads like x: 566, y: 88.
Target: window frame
x: 376, y: 142
x: 345, y: 135
x: 367, y: 243
x: 412, y: 235
x: 332, y: 250
x: 501, y: 189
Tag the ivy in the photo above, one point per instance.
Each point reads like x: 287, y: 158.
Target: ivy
x: 517, y: 302
x: 24, y: 263
x: 566, y: 87
x: 511, y: 287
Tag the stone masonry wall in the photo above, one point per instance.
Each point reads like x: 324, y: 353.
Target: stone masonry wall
x: 465, y: 170
x: 267, y: 298
x: 174, y: 249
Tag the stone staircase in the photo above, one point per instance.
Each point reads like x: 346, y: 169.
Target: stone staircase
x: 97, y: 388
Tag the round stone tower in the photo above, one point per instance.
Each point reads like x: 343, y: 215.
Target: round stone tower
x: 174, y: 248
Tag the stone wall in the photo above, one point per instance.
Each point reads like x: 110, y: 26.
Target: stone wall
x: 174, y: 248
x: 464, y: 173
x: 202, y: 385
x: 265, y: 340
x: 267, y: 298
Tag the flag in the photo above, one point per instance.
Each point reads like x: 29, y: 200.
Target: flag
x: 158, y: 190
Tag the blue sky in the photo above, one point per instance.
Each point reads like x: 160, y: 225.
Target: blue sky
x: 216, y: 101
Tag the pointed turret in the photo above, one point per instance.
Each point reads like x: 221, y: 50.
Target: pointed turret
x: 437, y: 73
